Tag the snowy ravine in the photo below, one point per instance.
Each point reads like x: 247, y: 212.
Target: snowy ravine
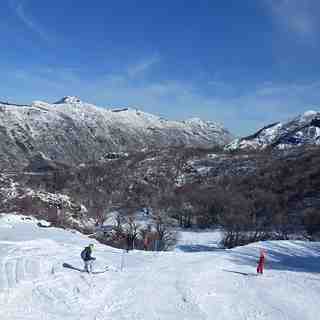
x: 196, y: 281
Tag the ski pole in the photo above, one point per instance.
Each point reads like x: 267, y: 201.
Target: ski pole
x: 122, y: 260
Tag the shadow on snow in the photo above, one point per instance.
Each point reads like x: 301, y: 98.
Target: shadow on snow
x: 296, y: 256
x: 69, y: 266
x: 241, y: 273
x: 198, y: 248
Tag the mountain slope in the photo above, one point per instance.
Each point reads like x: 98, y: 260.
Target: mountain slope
x: 205, y: 283
x: 73, y: 132
x: 302, y: 130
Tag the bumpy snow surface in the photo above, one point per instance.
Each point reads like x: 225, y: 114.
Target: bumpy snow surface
x: 196, y: 281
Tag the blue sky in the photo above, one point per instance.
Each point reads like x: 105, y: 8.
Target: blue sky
x: 242, y: 63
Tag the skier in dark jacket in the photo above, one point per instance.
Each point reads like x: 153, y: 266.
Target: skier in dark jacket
x: 87, y: 258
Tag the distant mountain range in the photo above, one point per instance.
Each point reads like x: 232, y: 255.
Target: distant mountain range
x: 300, y: 131
x: 72, y: 132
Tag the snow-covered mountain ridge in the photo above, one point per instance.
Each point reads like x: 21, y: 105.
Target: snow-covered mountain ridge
x: 72, y: 131
x: 302, y: 130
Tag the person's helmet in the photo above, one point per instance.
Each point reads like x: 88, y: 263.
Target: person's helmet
x: 91, y: 245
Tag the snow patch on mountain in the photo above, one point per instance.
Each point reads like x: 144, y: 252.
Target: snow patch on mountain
x: 69, y: 100
x: 309, y: 115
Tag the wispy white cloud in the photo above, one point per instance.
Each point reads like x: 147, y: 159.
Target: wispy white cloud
x: 288, y: 89
x: 143, y: 66
x: 243, y: 113
x: 29, y: 21
x: 298, y: 16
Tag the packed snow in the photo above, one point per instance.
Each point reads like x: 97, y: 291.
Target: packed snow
x: 198, y: 280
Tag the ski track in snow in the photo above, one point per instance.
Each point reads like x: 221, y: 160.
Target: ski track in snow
x: 217, y: 284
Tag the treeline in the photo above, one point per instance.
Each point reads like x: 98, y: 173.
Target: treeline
x: 279, y: 199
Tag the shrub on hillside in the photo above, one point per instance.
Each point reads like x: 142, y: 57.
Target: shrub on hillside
x: 311, y: 220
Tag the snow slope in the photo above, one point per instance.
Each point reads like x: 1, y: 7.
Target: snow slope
x: 185, y: 284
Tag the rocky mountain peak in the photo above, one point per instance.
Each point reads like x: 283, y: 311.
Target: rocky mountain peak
x: 69, y: 100
x: 302, y: 130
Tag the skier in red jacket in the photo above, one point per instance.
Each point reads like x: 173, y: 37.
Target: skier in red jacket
x: 261, y: 262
